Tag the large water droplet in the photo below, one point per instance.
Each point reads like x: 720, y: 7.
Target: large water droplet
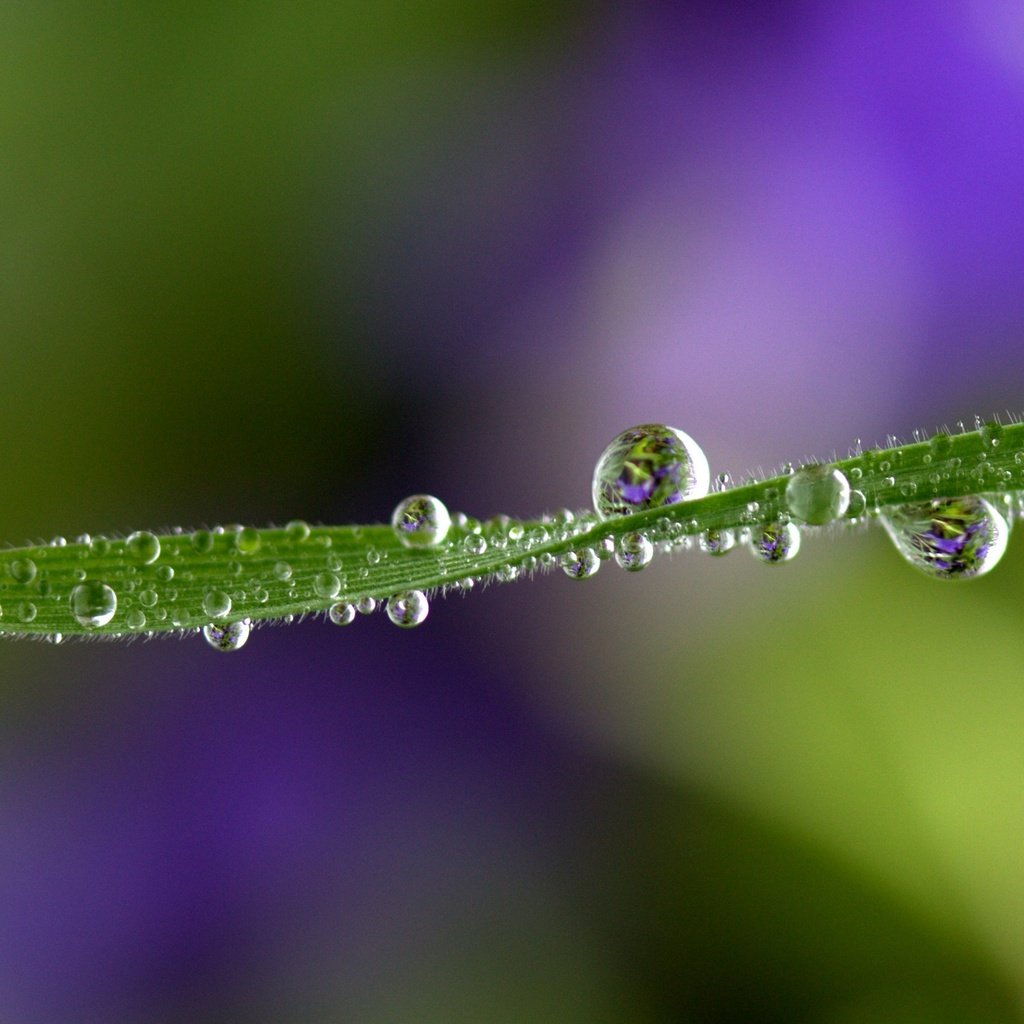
x: 342, y: 613
x: 93, y: 603
x: 216, y: 604
x: 950, y: 538
x: 580, y: 565
x: 143, y: 546
x: 23, y: 570
x: 247, y: 540
x: 774, y: 543
x: 817, y: 494
x: 230, y: 636
x: 646, y: 467
x: 327, y: 585
x: 408, y: 608
x: 634, y: 552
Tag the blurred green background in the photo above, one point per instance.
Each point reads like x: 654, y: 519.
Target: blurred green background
x: 260, y: 261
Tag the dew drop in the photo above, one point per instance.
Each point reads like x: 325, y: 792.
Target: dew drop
x: 297, y: 530
x: 230, y: 636
x: 326, y: 585
x: 99, y: 546
x: 646, y: 467
x: 605, y: 548
x: 507, y: 573
x: 27, y: 611
x: 143, y: 546
x: 635, y: 552
x: 858, y: 505
x: 366, y: 605
x: 247, y: 540
x: 372, y: 556
x: 202, y: 541
x: 93, y: 603
x: 342, y: 613
x: 817, y: 494
x: 950, y: 538
x: 148, y: 598
x: 408, y: 608
x: 23, y: 570
x: 216, y: 604
x: 774, y: 543
x: 580, y: 565
x: 282, y: 571
x: 136, y: 618
x: 717, y: 542
x: 475, y: 544
x: 165, y: 573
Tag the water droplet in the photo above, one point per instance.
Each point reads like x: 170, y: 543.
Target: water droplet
x: 909, y: 489
x: 93, y: 603
x: 475, y: 544
x: 580, y: 565
x: 992, y: 434
x: 408, y: 608
x: 950, y: 538
x: 858, y: 505
x: 26, y: 611
x: 165, y: 573
x: 722, y: 483
x: 326, y: 585
x: 230, y: 636
x: 56, y: 638
x: 59, y: 542
x: 23, y: 570
x: 342, y: 613
x: 99, y: 546
x: 372, y: 556
x: 282, y: 571
x: 646, y: 467
x: 605, y: 548
x: 247, y: 540
x: 297, y: 530
x: 421, y: 520
x: 366, y: 605
x: 148, y: 598
x: 635, y: 552
x: 136, y: 618
x: 717, y: 542
x: 817, y: 494
x: 202, y: 541
x: 262, y: 595
x: 774, y: 543
x: 216, y: 604
x: 143, y: 546
x: 507, y: 573
x: 940, y: 444
x: 856, y: 472
x: 235, y: 568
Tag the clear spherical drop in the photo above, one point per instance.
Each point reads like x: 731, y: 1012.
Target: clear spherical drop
x: 136, y: 618
x: 507, y: 573
x: 216, y: 604
x: 646, y: 467
x: 950, y: 538
x: 366, y: 605
x: 22, y: 570
x: 475, y: 544
x: 326, y: 585
x: 202, y: 541
x: 247, y: 540
x: 634, y: 552
x: 282, y: 571
x: 27, y: 611
x: 148, y: 598
x: 580, y: 565
x: 858, y: 505
x: 342, y: 613
x: 817, y: 494
x: 143, y: 546
x: 774, y: 543
x: 93, y: 603
x: 717, y: 542
x: 297, y: 530
x: 408, y: 608
x: 229, y: 636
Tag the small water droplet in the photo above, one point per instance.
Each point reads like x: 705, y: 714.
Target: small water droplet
x: 475, y: 544
x: 136, y: 618
x: 247, y: 540
x: 297, y: 530
x: 216, y: 604
x: 408, y: 608
x: 148, y: 598
x: 992, y: 434
x: 164, y: 573
x: 22, y: 570
x: 605, y: 548
x: 202, y: 541
x: 717, y: 542
x: 774, y: 543
x: 262, y: 595
x: 27, y: 611
x: 635, y: 552
x: 99, y: 546
x: 940, y: 444
x: 342, y: 613
x: 282, y: 571
x: 143, y: 546
x: 235, y: 568
x: 507, y: 573
x: 93, y: 603
x: 722, y: 483
x: 646, y: 467
x: 59, y: 542
x: 580, y: 565
x: 858, y: 505
x: 326, y: 585
x: 817, y: 494
x: 230, y: 636
x: 950, y: 538
x: 366, y: 605
x: 372, y: 556
x: 421, y: 521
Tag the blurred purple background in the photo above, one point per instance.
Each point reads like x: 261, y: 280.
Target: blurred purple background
x: 266, y: 263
